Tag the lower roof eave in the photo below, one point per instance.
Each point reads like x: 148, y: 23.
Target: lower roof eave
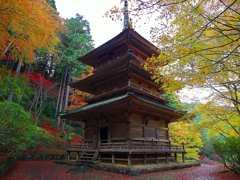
x: 120, y: 102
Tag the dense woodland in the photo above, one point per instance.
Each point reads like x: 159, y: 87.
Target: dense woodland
x: 199, y: 43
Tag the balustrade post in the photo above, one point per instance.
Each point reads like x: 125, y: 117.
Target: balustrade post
x: 156, y: 158
x: 183, y: 146
x: 113, y: 159
x: 129, y: 143
x: 183, y: 157
x: 144, y: 158
x: 68, y: 155
x: 167, y: 158
x: 129, y: 160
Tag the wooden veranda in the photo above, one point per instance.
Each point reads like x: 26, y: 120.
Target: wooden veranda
x: 128, y: 152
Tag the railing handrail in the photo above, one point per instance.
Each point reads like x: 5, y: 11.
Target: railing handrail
x: 142, y: 145
x: 128, y: 145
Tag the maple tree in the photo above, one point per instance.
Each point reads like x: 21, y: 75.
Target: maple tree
x: 183, y: 132
x: 27, y: 26
x: 218, y: 120
x: 75, y: 100
x: 44, y: 93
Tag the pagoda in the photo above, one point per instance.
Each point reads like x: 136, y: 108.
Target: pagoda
x: 125, y: 118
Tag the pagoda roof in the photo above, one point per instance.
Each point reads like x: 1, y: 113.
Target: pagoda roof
x: 115, y: 68
x: 89, y: 108
x: 127, y: 37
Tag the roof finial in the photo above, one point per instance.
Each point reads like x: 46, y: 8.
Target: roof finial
x: 126, y: 16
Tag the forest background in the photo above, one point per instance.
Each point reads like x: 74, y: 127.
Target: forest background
x: 199, y: 43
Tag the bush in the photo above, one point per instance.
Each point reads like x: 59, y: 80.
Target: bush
x: 18, y: 130
x: 229, y: 152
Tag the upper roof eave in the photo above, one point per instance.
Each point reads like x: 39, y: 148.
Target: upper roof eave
x: 91, y: 57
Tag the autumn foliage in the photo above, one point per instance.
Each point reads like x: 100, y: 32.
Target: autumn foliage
x: 26, y: 26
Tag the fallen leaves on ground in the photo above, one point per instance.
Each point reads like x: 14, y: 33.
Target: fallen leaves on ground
x: 47, y: 170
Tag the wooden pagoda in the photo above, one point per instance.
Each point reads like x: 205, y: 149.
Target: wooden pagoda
x: 126, y: 119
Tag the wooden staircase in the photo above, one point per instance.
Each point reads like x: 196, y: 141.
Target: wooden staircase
x: 88, y: 156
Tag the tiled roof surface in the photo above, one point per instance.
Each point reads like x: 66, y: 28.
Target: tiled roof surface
x: 154, y: 103
x: 98, y: 104
x: 112, y: 100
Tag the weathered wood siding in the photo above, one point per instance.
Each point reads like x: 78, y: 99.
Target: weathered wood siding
x: 119, y: 131
x: 89, y: 133
x: 136, y: 126
x: 148, y: 128
x: 162, y: 130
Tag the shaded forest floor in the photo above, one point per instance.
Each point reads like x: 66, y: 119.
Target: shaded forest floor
x: 47, y: 170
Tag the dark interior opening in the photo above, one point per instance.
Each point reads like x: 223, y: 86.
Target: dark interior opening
x: 104, y: 134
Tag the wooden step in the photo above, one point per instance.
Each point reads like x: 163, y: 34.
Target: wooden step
x: 90, y: 156
x: 86, y: 157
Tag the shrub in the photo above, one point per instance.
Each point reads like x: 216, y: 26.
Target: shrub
x: 18, y: 130
x: 229, y: 152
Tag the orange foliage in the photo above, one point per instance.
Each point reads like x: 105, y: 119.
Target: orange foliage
x: 26, y: 26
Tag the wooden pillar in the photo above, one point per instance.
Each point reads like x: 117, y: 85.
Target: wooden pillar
x: 68, y: 155
x: 99, y: 157
x: 156, y: 158
x: 109, y: 133
x: 183, y: 157
x: 175, y: 156
x: 167, y: 158
x: 129, y: 160
x: 113, y: 159
x: 144, y: 159
x: 183, y: 154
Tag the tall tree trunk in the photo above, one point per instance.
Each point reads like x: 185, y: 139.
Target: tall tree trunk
x: 18, y: 66
x: 62, y: 94
x: 58, y: 100
x: 66, y: 99
x: 45, y: 67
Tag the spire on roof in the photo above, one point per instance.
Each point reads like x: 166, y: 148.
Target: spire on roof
x: 126, y: 15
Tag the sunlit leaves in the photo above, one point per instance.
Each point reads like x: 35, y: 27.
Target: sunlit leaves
x: 182, y: 132
x: 26, y: 26
x: 220, y: 120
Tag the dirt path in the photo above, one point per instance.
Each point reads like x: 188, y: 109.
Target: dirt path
x: 46, y: 170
